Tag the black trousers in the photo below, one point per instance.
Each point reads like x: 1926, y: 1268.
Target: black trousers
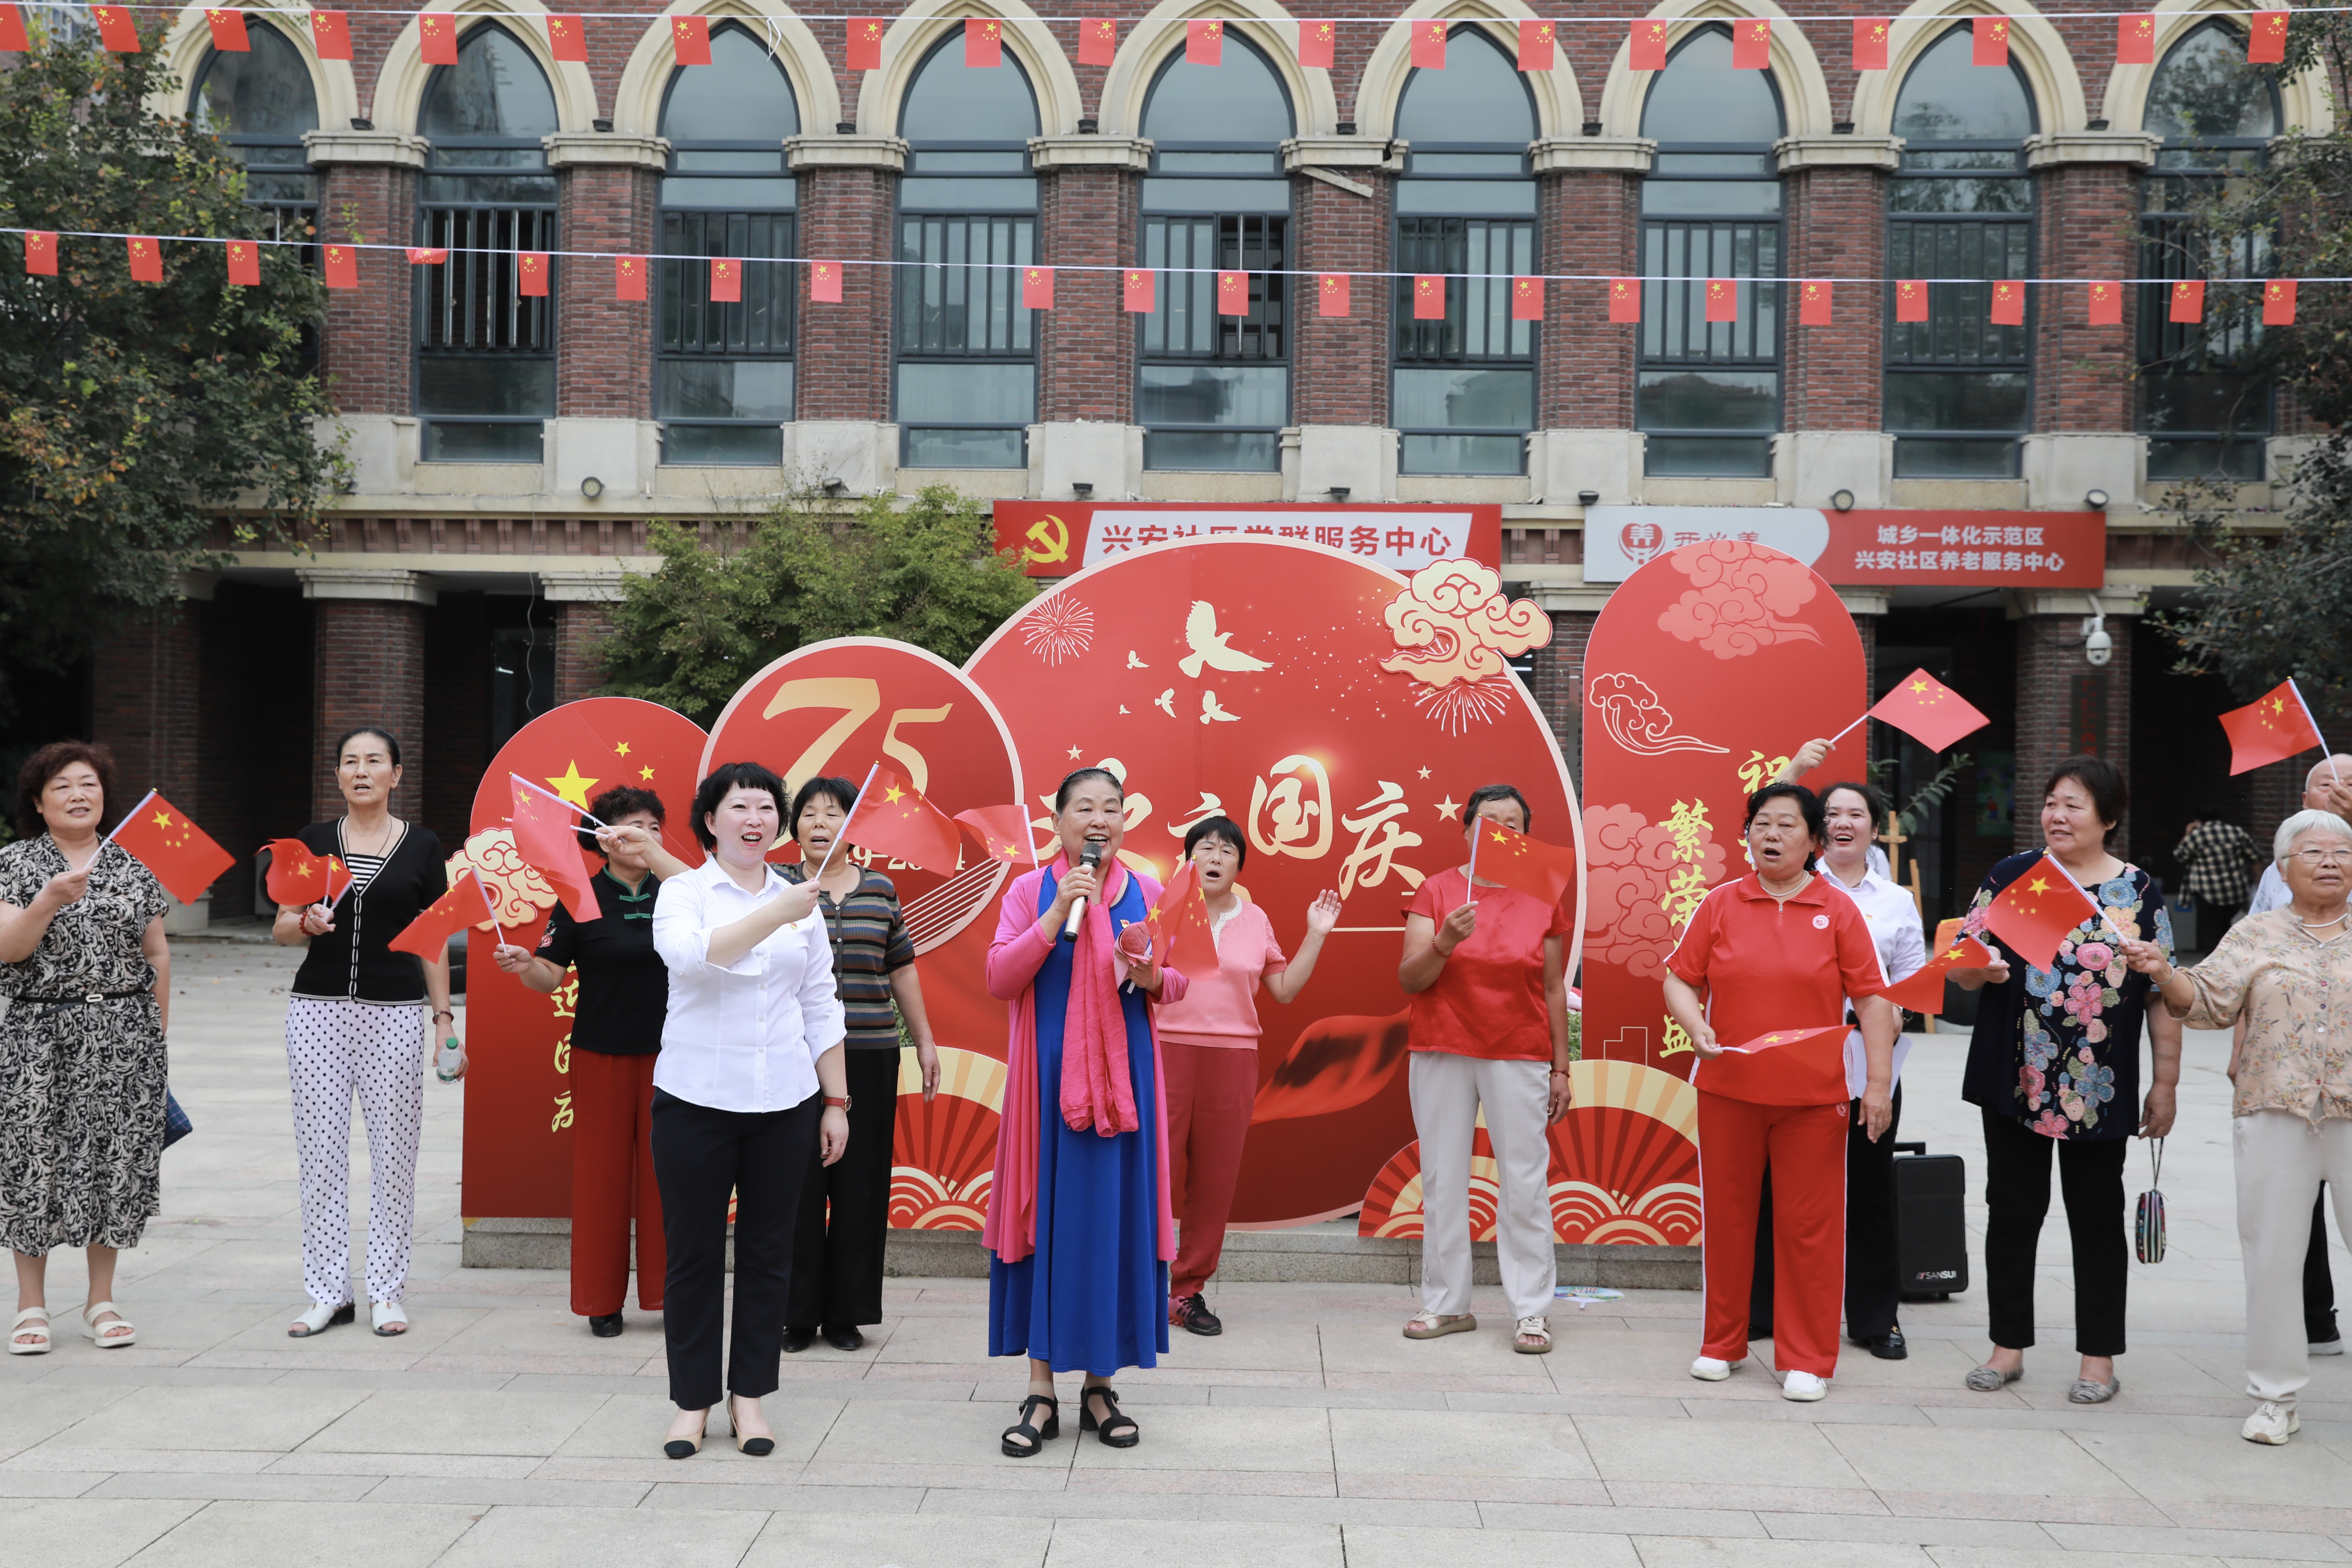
x: 1873, y: 1293
x: 2318, y: 1284
x: 2017, y: 1199
x: 700, y: 1155
x: 837, y: 1258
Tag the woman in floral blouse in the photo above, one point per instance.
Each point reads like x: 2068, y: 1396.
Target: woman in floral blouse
x: 2055, y: 1060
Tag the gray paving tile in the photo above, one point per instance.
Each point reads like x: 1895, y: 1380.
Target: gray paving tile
x: 1904, y: 1532
x: 906, y: 1541
x: 1118, y: 1543
x: 305, y: 1534
x: 521, y: 1537
x: 248, y: 1485
x: 2244, y: 1544
x: 1685, y: 1552
x: 1395, y: 1546
x: 1588, y: 1518
x: 399, y: 1420
x: 1642, y: 1448
x: 249, y: 1419
x: 1461, y: 1443
x: 84, y: 1533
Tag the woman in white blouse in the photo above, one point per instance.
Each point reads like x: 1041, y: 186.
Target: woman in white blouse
x: 751, y: 1042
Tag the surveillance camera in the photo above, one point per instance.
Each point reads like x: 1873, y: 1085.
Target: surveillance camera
x: 2099, y: 648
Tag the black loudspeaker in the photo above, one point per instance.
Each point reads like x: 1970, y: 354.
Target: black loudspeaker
x: 1931, y: 1238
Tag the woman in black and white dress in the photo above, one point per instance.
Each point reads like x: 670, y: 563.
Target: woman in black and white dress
x: 357, y: 1021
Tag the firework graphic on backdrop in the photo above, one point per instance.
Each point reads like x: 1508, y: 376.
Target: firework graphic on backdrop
x: 1059, y: 627
x: 1457, y: 707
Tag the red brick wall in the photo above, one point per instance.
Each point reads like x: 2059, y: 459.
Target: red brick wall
x: 1340, y: 365
x: 843, y: 351
x: 603, y: 345
x: 1085, y: 355
x: 1590, y: 226
x: 2049, y: 661
x: 364, y: 349
x: 2082, y: 374
x: 371, y: 671
x: 578, y: 629
x: 1836, y: 228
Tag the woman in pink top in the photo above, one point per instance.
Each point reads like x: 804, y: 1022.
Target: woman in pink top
x: 1208, y: 1042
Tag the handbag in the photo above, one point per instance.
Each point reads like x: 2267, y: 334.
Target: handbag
x: 2147, y: 1230
x: 176, y: 1124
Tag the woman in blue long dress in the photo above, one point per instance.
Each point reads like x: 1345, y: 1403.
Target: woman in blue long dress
x: 1078, y: 1221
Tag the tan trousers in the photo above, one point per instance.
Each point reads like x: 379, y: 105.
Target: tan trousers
x: 1447, y: 1092
x: 2280, y: 1160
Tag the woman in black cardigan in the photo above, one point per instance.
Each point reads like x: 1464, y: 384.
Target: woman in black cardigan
x: 357, y: 1021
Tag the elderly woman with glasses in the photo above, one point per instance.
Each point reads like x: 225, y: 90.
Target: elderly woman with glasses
x: 2286, y: 972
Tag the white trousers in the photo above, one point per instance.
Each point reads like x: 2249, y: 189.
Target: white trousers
x: 1447, y: 1092
x: 332, y: 1049
x: 2280, y: 1160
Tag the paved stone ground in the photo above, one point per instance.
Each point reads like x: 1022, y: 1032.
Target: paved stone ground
x: 1311, y: 1433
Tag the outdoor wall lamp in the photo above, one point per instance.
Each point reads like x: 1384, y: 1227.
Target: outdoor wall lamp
x: 2095, y: 499
x: 1843, y: 501
x: 592, y: 486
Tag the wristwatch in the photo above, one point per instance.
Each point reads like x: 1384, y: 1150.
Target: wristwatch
x: 840, y: 1099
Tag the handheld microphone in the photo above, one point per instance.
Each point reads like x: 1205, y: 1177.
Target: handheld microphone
x: 1090, y: 859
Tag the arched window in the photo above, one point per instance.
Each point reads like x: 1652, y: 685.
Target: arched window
x: 967, y: 372
x: 1213, y: 392
x: 723, y: 373
x: 1708, y: 394
x: 260, y: 104
x: 485, y: 350
x: 2203, y: 415
x: 1958, y: 388
x: 1463, y: 393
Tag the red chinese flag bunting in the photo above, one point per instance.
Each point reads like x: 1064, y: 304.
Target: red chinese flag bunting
x: 243, y: 262
x: 427, y: 254
x: 116, y: 29
x: 341, y: 265
x: 567, y: 38
x: 1536, y: 46
x: 2187, y: 300
x: 1922, y: 990
x: 1526, y: 298
x: 1647, y: 47
x: 1429, y: 45
x: 1787, y: 1067
x: 1138, y: 285
x: 1813, y: 304
x: 689, y: 39
x: 629, y: 277
x: 1317, y: 40
x: 1870, y: 43
x: 726, y: 280
x: 2107, y: 305
x: 40, y: 253
x: 546, y: 836
x: 2278, y: 302
x: 1204, y: 43
x: 865, y: 43
x: 1989, y: 45
x: 983, y: 41
x: 1929, y: 712
x: 1233, y: 293
x: 1332, y: 295
x: 1625, y: 301
x: 894, y: 819
x: 14, y: 40
x: 1751, y: 44
x: 824, y: 281
x: 1722, y: 299
x: 1910, y: 300
x: 1037, y: 287
x: 2266, y: 42
x: 1428, y: 296
x: 436, y: 37
x: 2008, y: 304
x: 1097, y: 41
x: 1545, y: 872
x: 331, y: 35
x: 531, y: 274
x: 2033, y: 914
x: 1003, y: 833
x: 2270, y: 729
x: 1182, y: 937
x: 228, y: 32
x: 2136, y: 38
x: 146, y: 260
x: 182, y: 856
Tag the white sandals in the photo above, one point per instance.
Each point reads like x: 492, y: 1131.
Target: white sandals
x: 388, y: 1318
x: 107, y: 1336
x: 32, y: 1321
x: 319, y: 1319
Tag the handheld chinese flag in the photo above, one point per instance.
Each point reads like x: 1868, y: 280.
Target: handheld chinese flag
x: 14, y: 40
x: 1923, y: 991
x: 427, y: 936
x: 690, y: 36
x: 1645, y: 48
x: 2034, y: 913
x: 1037, y: 287
x: 531, y: 274
x: 1003, y: 833
x: 983, y: 41
x: 2187, y: 302
x: 298, y: 877
x: 2278, y: 302
x: 1929, y: 712
x: 1787, y: 1067
x: 1137, y: 287
x: 2136, y: 38
x: 1233, y: 293
x: 1331, y: 293
x: 894, y: 819
x: 726, y: 280
x: 2267, y: 40
x: 1429, y: 45
x: 243, y: 262
x: 1536, y: 46
x: 1722, y: 299
x: 2008, y: 304
x: 629, y: 277
x: 228, y: 32
x: 331, y: 35
x: 1097, y: 41
x: 341, y: 264
x: 1813, y: 304
x: 1317, y: 41
x: 567, y: 38
x: 1204, y: 43
x: 146, y: 260
x: 1545, y: 872
x: 1870, y: 43
x: 1428, y: 296
x: 824, y: 282
x: 182, y: 856
x: 865, y: 43
x: 1988, y: 45
x: 2270, y: 729
x: 1751, y: 44
x: 1526, y: 298
x: 40, y: 253
x: 1182, y: 936
x: 2107, y: 305
x: 116, y: 30
x: 436, y: 37
x: 1625, y: 301
x: 1911, y: 300
x: 546, y: 838
x: 427, y: 256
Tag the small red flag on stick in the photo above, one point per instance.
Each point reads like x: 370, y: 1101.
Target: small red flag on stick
x: 2187, y: 300
x: 1813, y: 304
x: 896, y: 820
x: 1182, y: 937
x: 341, y: 264
x: 531, y: 274
x: 1537, y: 45
x: 243, y: 262
x: 1037, y: 287
x: 1911, y: 300
x: 1923, y: 990
x: 1625, y: 300
x: 40, y: 253
x: 427, y: 936
x: 1647, y: 47
x: 1787, y: 1067
x: 2278, y: 302
x: 228, y: 32
x: 116, y: 29
x: 567, y: 38
x: 1990, y: 43
x: 548, y: 842
x: 1204, y: 43
x: 331, y: 35
x: 1870, y: 43
x: 2266, y: 41
x: 726, y: 280
x: 296, y: 876
x: 2037, y: 911
x: 824, y: 282
x: 1429, y: 45
x: 1545, y: 872
x: 629, y: 277
x: 146, y: 260
x: 689, y: 39
x: 1927, y: 710
x: 1139, y: 286
x: 1526, y: 298
x: 865, y: 43
x: 2107, y: 305
x: 1097, y: 41
x: 1317, y: 41
x: 2270, y: 729
x: 1331, y: 293
x: 983, y: 41
x: 1003, y: 832
x: 1751, y: 44
x: 182, y: 856
x: 436, y: 37
x: 14, y: 40
x: 2136, y: 38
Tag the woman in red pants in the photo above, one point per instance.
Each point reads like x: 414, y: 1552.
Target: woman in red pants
x: 1208, y: 1044
x: 617, y: 1029
x: 1778, y: 950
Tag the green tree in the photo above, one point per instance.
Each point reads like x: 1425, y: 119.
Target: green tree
x: 142, y: 426
x: 927, y: 573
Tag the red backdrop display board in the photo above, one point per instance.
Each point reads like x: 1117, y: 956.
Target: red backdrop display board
x: 1978, y: 548
x: 1705, y: 671
x: 518, y: 1154
x: 1059, y: 538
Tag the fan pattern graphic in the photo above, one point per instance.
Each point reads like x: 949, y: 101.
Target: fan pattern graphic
x: 944, y: 1156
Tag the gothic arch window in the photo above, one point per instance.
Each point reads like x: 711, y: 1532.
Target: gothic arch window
x: 260, y: 104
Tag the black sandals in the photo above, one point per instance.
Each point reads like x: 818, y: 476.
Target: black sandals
x: 1025, y: 1438
x: 1115, y: 1430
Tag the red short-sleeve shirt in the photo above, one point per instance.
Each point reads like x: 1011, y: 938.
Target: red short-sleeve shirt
x: 1489, y: 1000
x: 1764, y: 965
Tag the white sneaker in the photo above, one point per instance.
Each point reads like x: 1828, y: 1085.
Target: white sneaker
x: 1804, y: 1387
x: 2272, y: 1424
x: 2328, y: 1347
x: 1706, y: 1369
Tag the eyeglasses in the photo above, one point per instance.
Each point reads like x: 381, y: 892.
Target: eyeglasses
x: 2323, y: 859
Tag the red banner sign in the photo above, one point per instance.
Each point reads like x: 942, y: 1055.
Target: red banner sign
x: 1982, y: 549
x: 1059, y: 538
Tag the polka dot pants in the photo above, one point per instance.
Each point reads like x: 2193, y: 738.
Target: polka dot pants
x: 331, y: 1048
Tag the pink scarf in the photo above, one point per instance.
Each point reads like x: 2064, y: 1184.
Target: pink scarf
x: 1097, y: 1086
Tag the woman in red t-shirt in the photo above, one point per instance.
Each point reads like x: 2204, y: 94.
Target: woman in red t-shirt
x: 1778, y: 950
x: 1486, y: 969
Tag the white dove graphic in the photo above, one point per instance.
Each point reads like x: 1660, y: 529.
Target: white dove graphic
x: 1209, y: 644
x: 1135, y: 663
x: 1166, y: 702
x: 1210, y: 710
